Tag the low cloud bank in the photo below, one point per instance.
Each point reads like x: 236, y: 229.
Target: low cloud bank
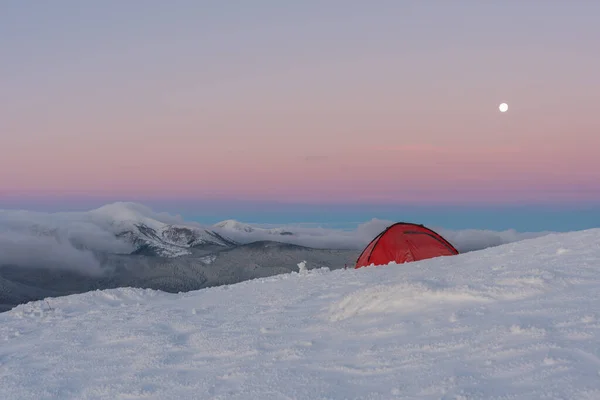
x: 316, y: 237
x: 29, y: 251
x: 71, y: 240
x: 67, y: 241
x: 464, y: 240
x: 475, y: 239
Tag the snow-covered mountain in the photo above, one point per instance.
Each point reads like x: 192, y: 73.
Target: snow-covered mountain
x: 171, y: 240
x: 517, y: 321
x: 116, y: 228
x: 236, y: 226
x: 156, y: 234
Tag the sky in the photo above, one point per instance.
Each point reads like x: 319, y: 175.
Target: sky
x: 328, y: 106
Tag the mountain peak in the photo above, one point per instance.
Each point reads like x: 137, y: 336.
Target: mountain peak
x: 234, y: 225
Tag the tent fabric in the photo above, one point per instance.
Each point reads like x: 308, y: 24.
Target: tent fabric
x: 404, y: 242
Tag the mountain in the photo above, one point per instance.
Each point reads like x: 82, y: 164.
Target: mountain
x: 154, y: 237
x: 518, y: 321
x: 236, y: 226
x: 128, y: 245
x: 24, y: 283
x: 172, y: 240
x: 118, y: 228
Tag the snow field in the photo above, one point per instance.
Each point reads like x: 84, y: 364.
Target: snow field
x: 519, y: 321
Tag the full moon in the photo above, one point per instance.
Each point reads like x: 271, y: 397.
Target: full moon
x: 503, y: 107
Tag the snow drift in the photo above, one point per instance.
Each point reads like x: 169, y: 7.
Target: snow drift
x: 519, y: 321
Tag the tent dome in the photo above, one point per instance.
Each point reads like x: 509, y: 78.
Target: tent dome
x: 404, y: 242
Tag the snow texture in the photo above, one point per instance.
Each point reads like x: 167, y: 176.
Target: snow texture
x: 518, y: 321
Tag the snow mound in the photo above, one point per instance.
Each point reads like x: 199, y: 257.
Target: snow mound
x: 402, y: 299
x: 302, y: 266
x: 519, y: 321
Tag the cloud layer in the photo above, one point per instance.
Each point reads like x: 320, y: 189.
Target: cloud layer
x: 71, y: 240
x: 463, y: 240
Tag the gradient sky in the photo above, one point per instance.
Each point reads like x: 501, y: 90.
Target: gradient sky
x: 304, y: 102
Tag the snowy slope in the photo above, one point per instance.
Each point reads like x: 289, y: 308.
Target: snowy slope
x: 519, y: 321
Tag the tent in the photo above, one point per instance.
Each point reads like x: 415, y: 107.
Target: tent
x: 404, y: 242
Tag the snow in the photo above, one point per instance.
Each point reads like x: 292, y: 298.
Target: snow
x: 302, y: 266
x: 125, y: 215
x: 208, y: 259
x: 234, y: 225
x: 518, y: 321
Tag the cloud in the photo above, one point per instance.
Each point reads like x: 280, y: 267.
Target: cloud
x: 309, y: 236
x: 25, y: 250
x: 72, y: 240
x: 127, y: 211
x: 357, y: 239
x: 67, y: 241
x: 474, y: 239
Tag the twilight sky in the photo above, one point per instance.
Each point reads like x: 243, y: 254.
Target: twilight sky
x: 308, y: 101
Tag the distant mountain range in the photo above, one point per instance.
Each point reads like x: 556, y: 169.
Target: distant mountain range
x: 134, y: 229
x: 172, y: 241
x: 232, y: 225
x: 155, y: 237
x: 128, y: 244
x: 232, y: 264
x: 150, y: 234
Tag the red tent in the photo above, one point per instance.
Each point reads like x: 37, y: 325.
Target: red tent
x: 404, y: 242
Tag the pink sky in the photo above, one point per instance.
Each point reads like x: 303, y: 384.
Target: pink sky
x: 383, y: 119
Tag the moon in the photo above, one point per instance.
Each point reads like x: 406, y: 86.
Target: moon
x: 503, y: 107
